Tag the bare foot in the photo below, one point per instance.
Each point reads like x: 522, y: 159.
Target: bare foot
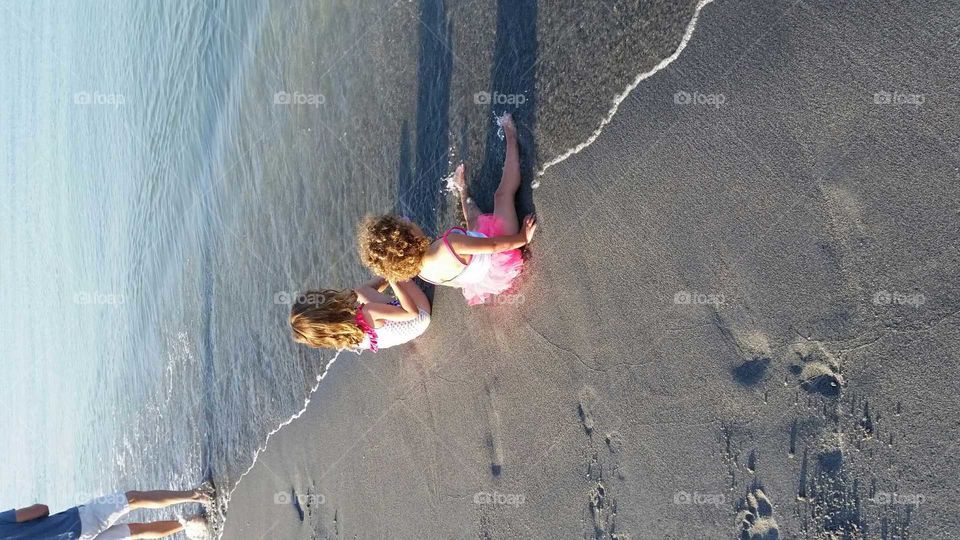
x: 459, y: 178
x: 459, y: 183
x: 205, y: 493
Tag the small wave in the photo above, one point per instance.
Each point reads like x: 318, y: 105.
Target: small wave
x: 619, y: 99
x: 450, y: 184
x: 499, y: 119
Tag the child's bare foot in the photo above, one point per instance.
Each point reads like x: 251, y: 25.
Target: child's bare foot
x: 205, y: 493
x: 470, y: 210
x: 459, y: 179
x: 506, y: 122
x: 456, y: 182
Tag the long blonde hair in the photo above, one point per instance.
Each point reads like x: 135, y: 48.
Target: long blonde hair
x: 326, y: 319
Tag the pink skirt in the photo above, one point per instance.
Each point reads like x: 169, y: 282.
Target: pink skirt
x: 504, y: 268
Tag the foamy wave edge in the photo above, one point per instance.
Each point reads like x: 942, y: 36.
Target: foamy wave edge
x: 266, y: 441
x: 691, y: 26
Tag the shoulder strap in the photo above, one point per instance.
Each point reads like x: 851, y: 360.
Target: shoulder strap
x: 446, y: 242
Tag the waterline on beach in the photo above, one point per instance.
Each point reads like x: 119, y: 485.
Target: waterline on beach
x: 618, y: 99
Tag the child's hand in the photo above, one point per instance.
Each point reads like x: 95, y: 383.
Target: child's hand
x: 529, y: 227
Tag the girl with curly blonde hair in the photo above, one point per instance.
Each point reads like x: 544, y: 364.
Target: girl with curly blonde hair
x: 482, y: 260
x: 361, y: 318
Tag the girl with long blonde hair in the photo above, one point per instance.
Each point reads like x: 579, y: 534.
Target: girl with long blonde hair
x: 362, y: 318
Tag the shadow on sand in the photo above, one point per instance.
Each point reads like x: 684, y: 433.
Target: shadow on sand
x: 512, y: 78
x: 419, y: 190
x: 418, y: 187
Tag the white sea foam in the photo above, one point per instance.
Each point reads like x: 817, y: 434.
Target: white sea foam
x: 499, y: 119
x: 619, y: 99
x: 194, y: 529
x: 450, y: 184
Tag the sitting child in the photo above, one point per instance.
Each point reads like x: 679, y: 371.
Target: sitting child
x: 482, y: 261
x: 362, y: 318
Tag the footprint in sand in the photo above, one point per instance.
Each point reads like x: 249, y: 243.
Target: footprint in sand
x: 750, y: 372
x: 818, y: 370
x: 494, y: 440
x: 755, y: 518
x: 603, y: 508
x: 832, y: 495
x: 585, y: 408
x: 751, y: 345
x: 614, y: 441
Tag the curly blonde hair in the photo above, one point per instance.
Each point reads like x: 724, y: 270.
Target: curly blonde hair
x: 391, y: 247
x: 326, y: 319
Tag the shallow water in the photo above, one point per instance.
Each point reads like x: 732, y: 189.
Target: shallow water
x: 175, y: 172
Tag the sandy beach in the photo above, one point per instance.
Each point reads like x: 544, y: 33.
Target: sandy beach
x: 740, y: 316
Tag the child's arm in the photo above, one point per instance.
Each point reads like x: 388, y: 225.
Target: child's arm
x: 31, y: 513
x: 411, y: 298
x: 372, y: 291
x: 471, y: 245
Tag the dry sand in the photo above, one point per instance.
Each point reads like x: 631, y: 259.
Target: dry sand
x: 736, y: 317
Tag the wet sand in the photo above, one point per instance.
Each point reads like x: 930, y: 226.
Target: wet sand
x: 741, y: 308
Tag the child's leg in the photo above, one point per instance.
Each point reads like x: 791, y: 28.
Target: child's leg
x: 504, y: 200
x: 470, y: 209
x: 156, y: 529
x: 162, y: 498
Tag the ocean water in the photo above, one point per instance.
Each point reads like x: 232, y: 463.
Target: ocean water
x: 157, y: 200
x: 173, y: 172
